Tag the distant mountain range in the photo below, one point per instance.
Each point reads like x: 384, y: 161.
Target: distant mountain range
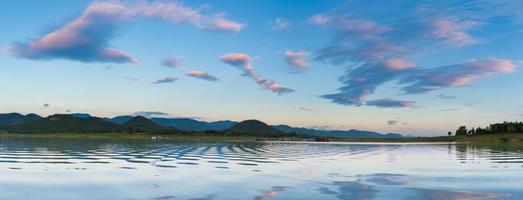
x: 142, y: 124
x: 352, y: 133
x: 256, y: 128
x: 16, y: 118
x: 85, y: 123
x: 61, y: 123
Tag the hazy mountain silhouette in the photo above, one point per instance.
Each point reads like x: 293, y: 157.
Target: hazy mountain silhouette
x: 222, y: 125
x: 61, y: 123
x: 254, y: 128
x: 9, y: 119
x: 142, y: 124
x: 81, y: 115
x: 119, y: 119
x: 188, y: 124
x: 185, y: 124
x: 352, y: 133
x: 83, y: 122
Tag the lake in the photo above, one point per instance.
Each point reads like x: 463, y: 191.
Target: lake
x: 45, y: 168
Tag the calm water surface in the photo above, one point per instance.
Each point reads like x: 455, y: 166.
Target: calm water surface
x: 163, y: 169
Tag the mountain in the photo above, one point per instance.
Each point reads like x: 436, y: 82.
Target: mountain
x: 352, y: 133
x: 9, y: 119
x: 254, y: 128
x: 185, y: 124
x: 85, y: 123
x: 16, y: 118
x: 61, y: 123
x: 221, y: 125
x: 81, y: 115
x: 302, y: 131
x: 142, y: 124
x: 188, y: 124
x: 119, y: 119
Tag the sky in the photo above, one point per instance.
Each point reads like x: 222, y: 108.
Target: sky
x: 409, y: 66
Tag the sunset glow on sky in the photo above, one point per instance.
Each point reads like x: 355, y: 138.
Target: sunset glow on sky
x: 411, y: 67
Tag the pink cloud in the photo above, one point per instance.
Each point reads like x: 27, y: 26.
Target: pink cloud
x: 375, y: 53
x: 243, y: 61
x: 280, y: 23
x: 166, y: 80
x: 220, y: 23
x: 177, y: 13
x: 492, y: 66
x: 390, y: 103
x: 398, y: 64
x: 172, y: 61
x: 475, y: 70
x: 297, y: 59
x: 306, y: 109
x: 237, y: 59
x: 320, y: 19
x: 120, y: 56
x: 86, y: 38
x: 362, y: 27
x: 426, y: 80
x: 453, y: 32
x: 478, y: 69
x: 202, y: 75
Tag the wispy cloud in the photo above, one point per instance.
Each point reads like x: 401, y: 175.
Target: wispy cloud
x: 397, y: 64
x: 390, y: 103
x: 446, y: 96
x: 472, y: 103
x: 363, y: 80
x: 280, y: 23
x: 202, y: 75
x: 453, y: 31
x: 297, y: 59
x: 377, y: 53
x: 243, y: 62
x: 393, y: 122
x: 426, y: 80
x: 323, y: 128
x: 320, y: 19
x: 306, y: 109
x: 165, y: 80
x: 172, y: 61
x: 219, y: 23
x: 86, y: 38
x: 150, y: 114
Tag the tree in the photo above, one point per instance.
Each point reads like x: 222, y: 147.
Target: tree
x: 450, y: 133
x: 497, y: 128
x: 480, y: 131
x: 471, y: 132
x: 462, y: 130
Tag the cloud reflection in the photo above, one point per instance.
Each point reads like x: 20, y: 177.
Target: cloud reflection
x: 432, y: 194
x: 271, y: 193
x: 351, y: 190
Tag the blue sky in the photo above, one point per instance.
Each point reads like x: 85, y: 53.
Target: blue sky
x: 414, y: 67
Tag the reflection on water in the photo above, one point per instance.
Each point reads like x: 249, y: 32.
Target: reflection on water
x: 33, y: 168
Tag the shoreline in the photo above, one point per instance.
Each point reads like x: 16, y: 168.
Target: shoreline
x: 494, y: 138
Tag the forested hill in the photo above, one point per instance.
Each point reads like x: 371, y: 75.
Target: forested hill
x: 86, y: 123
x: 497, y: 128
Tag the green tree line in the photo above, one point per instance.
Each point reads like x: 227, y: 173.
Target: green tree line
x: 498, y: 128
